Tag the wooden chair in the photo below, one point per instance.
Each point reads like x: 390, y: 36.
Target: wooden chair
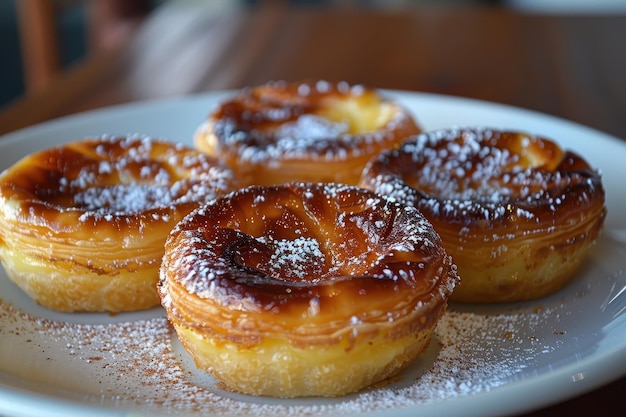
x: 108, y: 25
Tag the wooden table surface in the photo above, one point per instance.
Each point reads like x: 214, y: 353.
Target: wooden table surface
x: 572, y: 67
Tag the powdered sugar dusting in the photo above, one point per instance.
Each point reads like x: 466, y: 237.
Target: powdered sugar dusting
x: 296, y: 257
x: 136, y: 365
x: 480, y: 173
x: 467, y: 165
x: 280, y: 121
x: 136, y: 173
x: 123, y: 198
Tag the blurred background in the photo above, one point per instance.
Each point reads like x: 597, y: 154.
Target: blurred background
x: 80, y: 27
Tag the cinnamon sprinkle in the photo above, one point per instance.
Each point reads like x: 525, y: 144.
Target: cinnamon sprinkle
x: 140, y: 365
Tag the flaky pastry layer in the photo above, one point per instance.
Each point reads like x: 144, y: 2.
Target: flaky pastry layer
x: 516, y: 212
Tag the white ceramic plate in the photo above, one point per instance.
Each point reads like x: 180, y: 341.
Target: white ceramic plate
x: 484, y: 361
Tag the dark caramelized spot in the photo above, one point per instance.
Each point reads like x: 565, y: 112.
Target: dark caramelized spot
x: 302, y: 241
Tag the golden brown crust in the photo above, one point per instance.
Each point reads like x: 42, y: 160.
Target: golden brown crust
x: 516, y: 212
x: 308, y: 131
x: 331, y: 279
x: 83, y: 225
